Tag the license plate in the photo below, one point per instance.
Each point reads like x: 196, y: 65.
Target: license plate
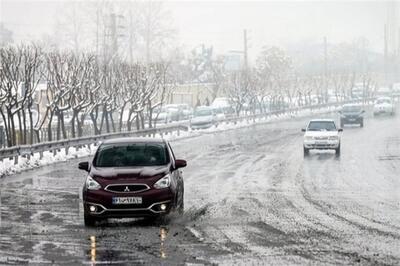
x: 127, y: 200
x: 322, y: 142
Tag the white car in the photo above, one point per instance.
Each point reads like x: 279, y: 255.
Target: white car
x: 321, y: 134
x: 203, y: 117
x: 384, y: 105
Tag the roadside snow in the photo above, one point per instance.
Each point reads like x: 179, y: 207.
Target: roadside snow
x: 7, y: 166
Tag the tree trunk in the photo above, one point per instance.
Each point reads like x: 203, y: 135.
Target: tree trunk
x: 121, y: 116
x: 49, y: 129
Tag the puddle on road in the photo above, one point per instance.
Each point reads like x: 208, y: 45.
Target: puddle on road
x: 98, y: 254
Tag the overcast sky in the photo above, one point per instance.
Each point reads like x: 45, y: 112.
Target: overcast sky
x: 221, y: 23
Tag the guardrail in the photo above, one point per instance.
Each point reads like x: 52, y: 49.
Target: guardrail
x: 55, y: 146
x: 77, y: 143
x: 294, y: 110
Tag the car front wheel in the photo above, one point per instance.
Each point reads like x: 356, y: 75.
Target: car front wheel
x: 180, y: 202
x: 337, y: 150
x: 89, y: 220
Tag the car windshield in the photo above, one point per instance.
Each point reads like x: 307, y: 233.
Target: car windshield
x: 351, y: 108
x: 133, y: 154
x: 381, y: 101
x: 321, y: 126
x: 203, y: 112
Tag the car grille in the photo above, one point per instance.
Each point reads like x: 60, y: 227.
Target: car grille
x: 127, y: 188
x: 321, y: 138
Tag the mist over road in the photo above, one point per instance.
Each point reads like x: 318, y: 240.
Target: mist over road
x: 250, y: 197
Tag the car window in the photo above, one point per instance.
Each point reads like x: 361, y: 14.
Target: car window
x: 351, y: 108
x: 203, y: 112
x: 381, y: 101
x: 321, y: 126
x: 135, y: 154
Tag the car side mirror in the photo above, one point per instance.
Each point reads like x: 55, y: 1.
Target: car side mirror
x: 303, y: 130
x: 180, y: 164
x: 340, y: 129
x: 84, y: 166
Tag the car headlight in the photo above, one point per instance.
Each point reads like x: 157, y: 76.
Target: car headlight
x: 333, y: 138
x: 308, y: 138
x: 92, y: 184
x: 163, y: 182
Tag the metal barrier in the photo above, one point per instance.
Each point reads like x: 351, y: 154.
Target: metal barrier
x: 55, y: 146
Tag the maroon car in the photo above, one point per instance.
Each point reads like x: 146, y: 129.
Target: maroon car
x: 132, y: 177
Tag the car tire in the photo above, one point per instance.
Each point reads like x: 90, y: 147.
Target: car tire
x: 337, y: 151
x: 89, y: 220
x: 181, y: 206
x: 306, y: 151
x: 362, y: 123
x: 180, y: 202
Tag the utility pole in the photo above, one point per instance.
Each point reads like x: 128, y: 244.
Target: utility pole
x: 245, y: 49
x: 97, y: 30
x: 385, y: 51
x: 114, y: 40
x: 325, y: 57
x: 130, y: 36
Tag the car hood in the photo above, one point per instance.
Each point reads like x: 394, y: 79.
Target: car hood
x: 351, y: 113
x: 377, y: 105
x: 321, y: 133
x: 201, y: 119
x: 132, y: 173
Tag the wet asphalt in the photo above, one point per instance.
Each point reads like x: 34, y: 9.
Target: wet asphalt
x: 250, y: 198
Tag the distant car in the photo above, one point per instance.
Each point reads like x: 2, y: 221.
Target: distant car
x: 396, y: 90
x: 165, y: 114
x: 174, y: 111
x: 321, y: 134
x: 203, y: 117
x: 219, y: 113
x: 185, y: 110
x: 352, y: 114
x: 223, y: 104
x: 132, y: 177
x: 383, y: 91
x: 384, y: 105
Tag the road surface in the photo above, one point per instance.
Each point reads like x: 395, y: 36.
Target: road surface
x: 250, y: 198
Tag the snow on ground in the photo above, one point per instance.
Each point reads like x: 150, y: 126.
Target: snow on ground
x: 7, y: 166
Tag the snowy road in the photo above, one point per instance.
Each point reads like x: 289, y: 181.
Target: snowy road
x: 251, y: 197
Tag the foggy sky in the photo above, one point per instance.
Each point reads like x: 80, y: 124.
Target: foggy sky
x: 221, y: 23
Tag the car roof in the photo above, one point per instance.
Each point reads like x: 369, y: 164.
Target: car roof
x: 322, y: 120
x: 133, y: 140
x: 204, y: 107
x: 384, y: 98
x: 352, y: 104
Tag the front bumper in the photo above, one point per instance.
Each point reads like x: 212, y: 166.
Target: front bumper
x: 383, y: 110
x: 201, y: 125
x: 322, y: 145
x: 351, y: 120
x: 150, y: 206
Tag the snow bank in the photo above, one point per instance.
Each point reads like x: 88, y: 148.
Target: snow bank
x: 7, y: 166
